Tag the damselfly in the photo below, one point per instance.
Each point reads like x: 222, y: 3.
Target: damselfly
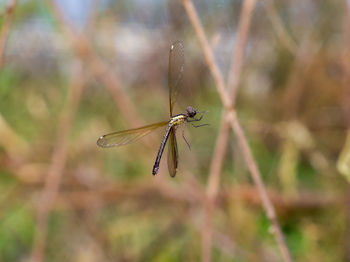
x: 176, y: 68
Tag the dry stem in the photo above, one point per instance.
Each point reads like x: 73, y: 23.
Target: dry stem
x: 86, y: 53
x: 221, y: 143
x: 58, y: 161
x: 242, y: 141
x: 5, y: 27
x: 346, y: 108
x: 233, y: 81
x: 280, y: 30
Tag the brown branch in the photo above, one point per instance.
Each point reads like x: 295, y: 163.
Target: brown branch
x: 253, y: 168
x: 218, y: 158
x: 221, y: 143
x: 233, y: 81
x: 5, y: 28
x: 277, y: 25
x: 56, y: 168
x: 242, y: 141
x: 86, y: 53
x: 346, y: 107
x: 238, y: 53
x: 208, y: 54
x: 111, y: 195
x: 346, y: 64
x: 294, y: 88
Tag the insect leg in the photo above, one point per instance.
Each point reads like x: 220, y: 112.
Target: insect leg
x: 183, y: 135
x: 197, y: 119
x: 199, y: 125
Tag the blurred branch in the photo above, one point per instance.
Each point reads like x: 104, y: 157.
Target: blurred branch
x: 88, y: 220
x: 306, y: 201
x: 233, y: 81
x: 222, y: 139
x: 175, y: 229
x: 346, y: 107
x: 218, y: 157
x: 277, y: 24
x: 238, y: 53
x: 5, y: 27
x: 252, y: 166
x: 242, y: 141
x: 86, y: 53
x: 13, y: 144
x: 58, y: 161
x: 294, y: 88
x: 346, y: 63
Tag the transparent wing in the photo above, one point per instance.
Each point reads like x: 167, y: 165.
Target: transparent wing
x: 172, y: 153
x: 176, y: 68
x: 127, y: 136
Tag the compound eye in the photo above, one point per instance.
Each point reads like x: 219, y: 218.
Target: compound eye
x: 191, y: 111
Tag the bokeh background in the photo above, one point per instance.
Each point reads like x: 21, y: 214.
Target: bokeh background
x: 71, y: 71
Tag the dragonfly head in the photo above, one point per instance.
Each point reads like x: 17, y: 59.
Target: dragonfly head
x: 191, y: 112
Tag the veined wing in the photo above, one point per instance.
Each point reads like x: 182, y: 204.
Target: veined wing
x: 172, y: 153
x: 176, y: 68
x: 127, y: 136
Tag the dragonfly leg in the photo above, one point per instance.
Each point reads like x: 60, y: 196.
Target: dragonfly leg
x: 195, y: 119
x: 183, y: 135
x: 198, y: 119
x: 199, y: 125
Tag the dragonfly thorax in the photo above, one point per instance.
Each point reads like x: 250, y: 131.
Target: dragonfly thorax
x: 176, y: 120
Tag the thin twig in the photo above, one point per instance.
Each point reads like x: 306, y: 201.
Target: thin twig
x: 233, y: 81
x: 208, y: 54
x: 346, y: 108
x: 242, y: 141
x: 238, y: 53
x: 207, y: 233
x: 294, y: 88
x: 346, y: 63
x: 116, y: 193
x: 253, y: 168
x: 5, y: 27
x: 86, y: 53
x: 217, y: 159
x: 221, y: 142
x: 278, y: 26
x: 58, y: 161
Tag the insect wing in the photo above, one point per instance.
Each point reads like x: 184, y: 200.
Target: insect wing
x: 172, y: 153
x: 176, y: 69
x: 127, y: 136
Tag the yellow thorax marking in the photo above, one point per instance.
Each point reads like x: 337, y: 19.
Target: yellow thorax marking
x: 176, y: 120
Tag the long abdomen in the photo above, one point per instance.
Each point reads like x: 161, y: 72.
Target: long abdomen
x: 161, y: 149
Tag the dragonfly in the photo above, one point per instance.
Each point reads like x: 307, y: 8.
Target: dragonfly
x: 175, y: 75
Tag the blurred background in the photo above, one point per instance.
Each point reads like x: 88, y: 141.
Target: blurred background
x: 71, y: 71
